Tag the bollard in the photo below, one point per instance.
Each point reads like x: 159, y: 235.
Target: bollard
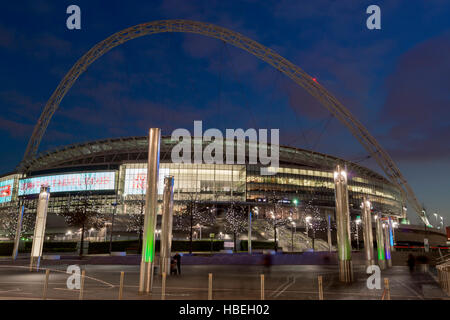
x: 262, y: 287
x: 163, y: 286
x: 386, y: 288
x: 122, y: 275
x: 319, y: 278
x: 83, y: 274
x: 210, y: 286
x: 44, y: 293
x: 446, y: 281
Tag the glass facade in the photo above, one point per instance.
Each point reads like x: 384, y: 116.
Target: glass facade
x: 306, y: 184
x: 119, y: 175
x: 209, y: 182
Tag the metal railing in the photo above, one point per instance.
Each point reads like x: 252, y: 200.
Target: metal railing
x: 443, y: 272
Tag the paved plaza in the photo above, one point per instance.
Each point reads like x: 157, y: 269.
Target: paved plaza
x: 230, y: 281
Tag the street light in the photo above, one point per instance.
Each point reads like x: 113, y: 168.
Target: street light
x: 200, y: 227
x: 307, y: 219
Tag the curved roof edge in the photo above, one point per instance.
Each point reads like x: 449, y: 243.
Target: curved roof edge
x: 58, y: 155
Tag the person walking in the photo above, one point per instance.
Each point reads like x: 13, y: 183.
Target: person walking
x: 177, y: 257
x: 411, y: 263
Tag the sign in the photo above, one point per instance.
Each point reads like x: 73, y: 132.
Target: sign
x: 426, y: 245
x: 6, y: 189
x: 85, y: 181
x: 228, y: 244
x: 136, y: 180
x: 211, y: 235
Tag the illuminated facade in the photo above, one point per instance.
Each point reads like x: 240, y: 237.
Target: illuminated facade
x: 114, y: 171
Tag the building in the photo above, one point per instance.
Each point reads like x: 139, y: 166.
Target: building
x: 114, y: 172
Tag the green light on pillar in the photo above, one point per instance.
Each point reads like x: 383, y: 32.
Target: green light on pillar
x: 380, y: 254
x: 149, y: 248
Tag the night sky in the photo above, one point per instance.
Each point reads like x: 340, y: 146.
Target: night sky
x: 395, y: 80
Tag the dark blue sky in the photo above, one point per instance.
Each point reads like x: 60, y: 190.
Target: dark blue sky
x: 395, y: 80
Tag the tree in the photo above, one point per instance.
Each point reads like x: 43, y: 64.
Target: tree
x: 82, y: 211
x: 314, y: 219
x: 235, y: 221
x: 193, y: 212
x: 8, y: 221
x: 276, y: 218
x: 135, y: 222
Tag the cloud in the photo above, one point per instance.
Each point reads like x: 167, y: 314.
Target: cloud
x: 16, y: 129
x: 21, y: 105
x: 417, y: 105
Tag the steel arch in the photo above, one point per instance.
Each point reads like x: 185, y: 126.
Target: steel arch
x: 247, y: 44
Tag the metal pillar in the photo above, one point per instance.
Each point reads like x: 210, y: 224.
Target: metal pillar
x: 387, y: 245
x: 329, y: 233
x: 391, y: 235
x: 249, y: 242
x: 380, y: 243
x: 166, y: 227
x: 343, y: 225
x: 367, y: 231
x: 18, y: 232
x: 39, y: 229
x: 151, y: 197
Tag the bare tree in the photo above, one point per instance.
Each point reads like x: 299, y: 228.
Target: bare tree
x: 193, y: 212
x: 8, y: 221
x: 235, y: 221
x: 83, y: 211
x: 135, y: 222
x: 276, y: 218
x: 314, y: 219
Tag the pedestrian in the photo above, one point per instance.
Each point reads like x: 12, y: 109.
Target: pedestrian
x: 267, y: 262
x: 177, y: 258
x: 411, y: 263
x: 173, y: 266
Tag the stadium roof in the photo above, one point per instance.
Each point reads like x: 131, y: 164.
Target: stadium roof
x: 134, y: 149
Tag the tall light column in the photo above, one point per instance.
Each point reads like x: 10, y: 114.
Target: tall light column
x: 151, y: 197
x: 18, y: 232
x: 166, y: 226
x: 249, y: 241
x: 380, y: 243
x: 39, y: 228
x: 343, y: 225
x: 391, y: 234
x: 367, y: 231
x: 387, y: 244
x: 329, y: 233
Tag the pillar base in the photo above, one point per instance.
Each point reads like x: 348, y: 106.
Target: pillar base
x: 35, y: 262
x: 164, y: 266
x: 146, y: 277
x: 345, y: 271
x: 382, y: 264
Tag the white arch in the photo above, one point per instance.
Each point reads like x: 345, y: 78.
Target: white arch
x: 247, y: 44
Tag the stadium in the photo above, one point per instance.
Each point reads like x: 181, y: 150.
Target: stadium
x: 113, y: 171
